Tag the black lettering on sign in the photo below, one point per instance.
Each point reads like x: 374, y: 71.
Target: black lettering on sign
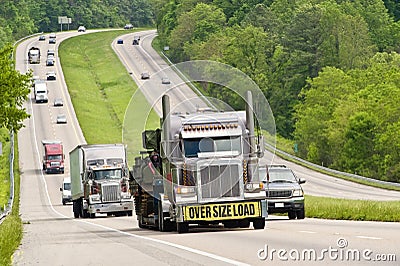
x: 215, y: 211
x: 228, y: 211
x: 191, y: 213
x: 208, y: 211
x: 240, y: 210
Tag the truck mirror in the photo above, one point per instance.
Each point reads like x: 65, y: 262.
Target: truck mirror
x: 61, y: 189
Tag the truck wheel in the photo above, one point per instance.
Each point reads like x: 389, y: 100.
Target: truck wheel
x: 259, y: 223
x: 129, y: 213
x: 300, y: 214
x: 292, y: 215
x: 163, y: 225
x: 63, y: 202
x: 140, y: 222
x: 76, y: 208
x: 182, y: 227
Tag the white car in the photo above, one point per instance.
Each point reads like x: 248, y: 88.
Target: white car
x: 81, y: 29
x: 61, y: 119
x: 66, y: 191
x: 51, y: 75
x: 58, y: 102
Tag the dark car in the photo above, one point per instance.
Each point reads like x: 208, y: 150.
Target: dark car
x: 136, y: 40
x: 283, y: 190
x: 120, y: 41
x: 42, y: 38
x: 52, y: 40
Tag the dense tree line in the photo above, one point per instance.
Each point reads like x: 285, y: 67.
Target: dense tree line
x: 322, y: 64
x: 24, y: 17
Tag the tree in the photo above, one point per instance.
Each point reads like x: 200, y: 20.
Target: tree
x: 14, y: 89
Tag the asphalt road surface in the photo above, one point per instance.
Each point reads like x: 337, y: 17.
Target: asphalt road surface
x: 53, y: 237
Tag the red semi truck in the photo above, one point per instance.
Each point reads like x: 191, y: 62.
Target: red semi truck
x: 53, y: 158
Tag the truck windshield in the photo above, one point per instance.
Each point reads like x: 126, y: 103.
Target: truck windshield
x: 67, y: 186
x: 218, y: 144
x: 108, y: 174
x: 54, y: 157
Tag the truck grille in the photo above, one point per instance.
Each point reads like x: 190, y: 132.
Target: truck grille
x: 279, y: 193
x: 110, y: 192
x: 219, y: 181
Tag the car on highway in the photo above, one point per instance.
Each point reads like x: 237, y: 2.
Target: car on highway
x: 52, y: 40
x: 42, y: 38
x: 51, y: 75
x: 165, y: 80
x: 136, y: 40
x: 50, y: 62
x: 51, y: 52
x: 66, y: 190
x: 283, y: 190
x: 120, y: 41
x: 81, y: 29
x: 128, y: 26
x: 145, y: 75
x: 58, y: 102
x: 61, y: 119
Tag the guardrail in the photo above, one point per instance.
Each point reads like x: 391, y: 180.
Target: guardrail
x: 8, y: 208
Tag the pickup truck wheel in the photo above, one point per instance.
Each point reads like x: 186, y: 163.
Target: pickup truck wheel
x: 292, y: 215
x: 63, y: 202
x: 259, y: 223
x: 182, y: 227
x: 300, y: 214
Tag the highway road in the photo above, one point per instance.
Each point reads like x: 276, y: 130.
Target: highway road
x: 53, y: 237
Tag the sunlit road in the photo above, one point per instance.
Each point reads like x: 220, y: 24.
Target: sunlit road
x: 53, y: 237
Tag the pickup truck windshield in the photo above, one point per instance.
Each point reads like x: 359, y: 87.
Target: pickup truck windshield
x: 219, y: 144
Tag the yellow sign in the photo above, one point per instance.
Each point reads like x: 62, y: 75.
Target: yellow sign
x: 224, y: 211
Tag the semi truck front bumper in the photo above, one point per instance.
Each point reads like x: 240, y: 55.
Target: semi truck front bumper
x: 111, y: 207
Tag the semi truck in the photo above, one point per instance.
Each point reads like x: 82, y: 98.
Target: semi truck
x: 40, y: 91
x: 53, y: 158
x: 100, y: 180
x: 34, y: 55
x: 200, y: 168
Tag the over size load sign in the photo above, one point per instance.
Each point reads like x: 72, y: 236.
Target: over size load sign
x: 225, y: 211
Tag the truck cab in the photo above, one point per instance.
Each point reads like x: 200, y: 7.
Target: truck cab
x: 53, y: 158
x: 40, y: 91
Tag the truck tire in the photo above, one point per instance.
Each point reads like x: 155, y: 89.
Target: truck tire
x: 84, y: 213
x: 259, y: 223
x: 129, y: 213
x: 182, y: 227
x: 163, y: 225
x: 300, y: 214
x: 76, y: 208
x: 292, y: 215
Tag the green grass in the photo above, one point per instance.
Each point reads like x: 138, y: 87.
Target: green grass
x: 359, y: 210
x: 11, y: 228
x: 4, y: 168
x: 101, y: 89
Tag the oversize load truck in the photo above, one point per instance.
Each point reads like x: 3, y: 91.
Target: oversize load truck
x: 34, y: 55
x: 207, y: 172
x: 53, y: 158
x: 100, y: 180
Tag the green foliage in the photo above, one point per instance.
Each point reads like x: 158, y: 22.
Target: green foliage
x: 14, y: 89
x: 349, y: 120
x: 4, y: 168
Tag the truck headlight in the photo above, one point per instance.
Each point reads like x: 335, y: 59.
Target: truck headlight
x: 95, y: 197
x: 297, y: 193
x: 184, y: 190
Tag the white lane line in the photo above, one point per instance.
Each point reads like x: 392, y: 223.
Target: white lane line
x: 370, y: 237
x: 308, y: 232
